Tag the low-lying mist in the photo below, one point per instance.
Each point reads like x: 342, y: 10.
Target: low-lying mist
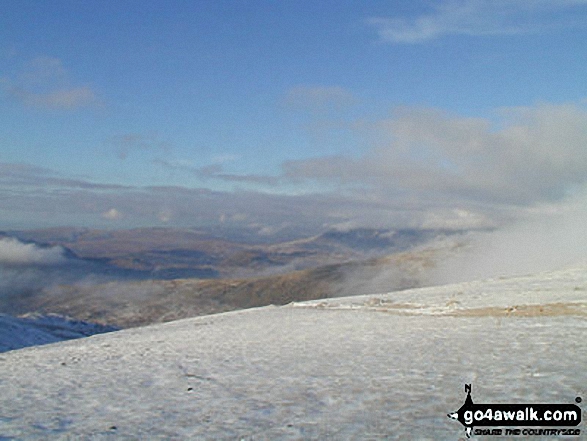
x: 542, y: 238
x: 15, y: 253
x: 28, y: 268
x: 549, y: 237
x: 545, y: 237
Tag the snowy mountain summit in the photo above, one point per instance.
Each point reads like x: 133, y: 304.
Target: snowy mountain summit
x: 387, y: 366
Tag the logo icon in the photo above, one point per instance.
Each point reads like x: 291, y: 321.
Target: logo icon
x: 471, y: 414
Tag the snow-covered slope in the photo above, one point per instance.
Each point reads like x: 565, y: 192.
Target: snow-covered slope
x: 373, y: 367
x: 31, y: 330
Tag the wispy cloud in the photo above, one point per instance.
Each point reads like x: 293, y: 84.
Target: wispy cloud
x: 216, y: 172
x: 319, y: 99
x: 42, y: 70
x: 26, y: 175
x: 64, y: 99
x: 44, y: 84
x: 126, y: 143
x: 479, y: 18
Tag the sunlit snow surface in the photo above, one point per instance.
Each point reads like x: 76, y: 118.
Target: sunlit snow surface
x: 373, y: 367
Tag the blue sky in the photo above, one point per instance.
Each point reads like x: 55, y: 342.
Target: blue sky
x: 266, y: 114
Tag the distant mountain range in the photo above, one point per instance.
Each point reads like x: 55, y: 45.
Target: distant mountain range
x: 135, y: 303
x: 162, y: 253
x: 137, y: 277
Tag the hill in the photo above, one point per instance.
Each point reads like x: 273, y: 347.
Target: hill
x: 138, y: 303
x: 136, y: 277
x: 370, y: 367
x: 166, y: 253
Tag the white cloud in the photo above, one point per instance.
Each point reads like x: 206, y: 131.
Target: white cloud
x: 112, y: 214
x: 14, y: 252
x: 479, y: 17
x: 533, y: 154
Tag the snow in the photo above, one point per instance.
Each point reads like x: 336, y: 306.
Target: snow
x: 32, y: 330
x: 371, y: 367
x: 564, y: 287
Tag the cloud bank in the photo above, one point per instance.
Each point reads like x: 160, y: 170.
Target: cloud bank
x: 528, y: 155
x: 421, y: 168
